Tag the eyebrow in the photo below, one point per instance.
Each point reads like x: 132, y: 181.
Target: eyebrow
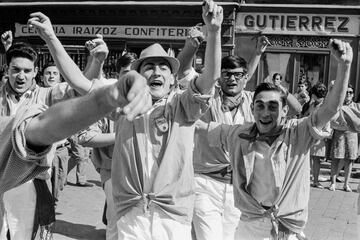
x: 270, y: 102
x: 16, y: 67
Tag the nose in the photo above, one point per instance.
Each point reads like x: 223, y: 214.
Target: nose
x: 21, y: 75
x: 266, y: 112
x: 157, y: 70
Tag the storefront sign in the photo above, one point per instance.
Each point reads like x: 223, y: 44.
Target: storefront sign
x: 299, y: 24
x: 134, y: 32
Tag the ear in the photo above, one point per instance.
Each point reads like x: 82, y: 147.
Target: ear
x: 172, y: 79
x: 36, y: 69
x: 246, y: 79
x: 285, y: 110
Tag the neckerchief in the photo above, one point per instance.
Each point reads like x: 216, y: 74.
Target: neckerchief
x: 17, y: 95
x: 254, y: 135
x: 347, y: 102
x: 230, y: 102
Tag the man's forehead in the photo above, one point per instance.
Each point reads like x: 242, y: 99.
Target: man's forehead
x: 239, y: 69
x: 268, y: 97
x: 155, y: 60
x: 51, y: 68
x: 20, y: 61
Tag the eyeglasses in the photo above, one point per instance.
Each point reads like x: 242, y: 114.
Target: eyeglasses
x: 237, y: 75
x: 349, y: 92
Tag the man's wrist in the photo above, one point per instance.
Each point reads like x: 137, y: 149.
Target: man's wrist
x: 97, y: 61
x: 50, y: 38
x: 286, y: 92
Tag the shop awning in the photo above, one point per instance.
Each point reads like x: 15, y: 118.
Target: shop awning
x: 114, y: 3
x: 299, y: 6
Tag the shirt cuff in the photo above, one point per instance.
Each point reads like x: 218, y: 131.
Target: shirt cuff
x: 315, y: 132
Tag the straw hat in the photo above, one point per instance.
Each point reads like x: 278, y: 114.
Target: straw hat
x: 156, y: 51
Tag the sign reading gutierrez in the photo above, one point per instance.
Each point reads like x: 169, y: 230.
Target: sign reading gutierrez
x: 300, y: 24
x: 150, y: 32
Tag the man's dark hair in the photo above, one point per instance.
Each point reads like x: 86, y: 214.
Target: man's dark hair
x: 125, y: 60
x: 21, y: 49
x: 48, y: 64
x: 303, y: 81
x: 275, y: 74
x: 319, y: 90
x: 232, y: 61
x: 269, y: 86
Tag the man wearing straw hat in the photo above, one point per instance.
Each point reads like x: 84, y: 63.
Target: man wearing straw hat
x: 152, y: 171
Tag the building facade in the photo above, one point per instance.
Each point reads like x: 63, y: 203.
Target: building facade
x: 299, y: 37
x: 125, y: 26
x: 299, y: 33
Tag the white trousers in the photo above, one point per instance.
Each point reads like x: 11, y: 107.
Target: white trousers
x: 19, y: 206
x: 257, y: 230
x: 155, y: 225
x: 215, y: 216
x: 111, y: 228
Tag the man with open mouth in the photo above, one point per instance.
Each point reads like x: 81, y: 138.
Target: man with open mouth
x: 152, y: 169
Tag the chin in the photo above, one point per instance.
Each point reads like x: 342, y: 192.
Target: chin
x: 265, y: 129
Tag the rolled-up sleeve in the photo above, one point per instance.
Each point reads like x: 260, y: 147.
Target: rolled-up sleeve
x: 348, y: 119
x: 22, y: 120
x: 194, y: 103
x: 315, y: 132
x: 86, y: 135
x: 187, y: 77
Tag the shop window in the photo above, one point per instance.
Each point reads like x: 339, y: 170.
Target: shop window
x: 277, y: 63
x: 312, y: 68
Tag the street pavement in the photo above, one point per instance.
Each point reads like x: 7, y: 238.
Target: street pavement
x: 332, y: 215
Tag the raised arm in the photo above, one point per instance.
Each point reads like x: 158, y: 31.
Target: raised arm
x: 98, y: 53
x: 342, y: 51
x: 66, y: 118
x: 294, y: 105
x: 187, y: 54
x: 68, y: 69
x: 213, y: 16
x: 261, y: 44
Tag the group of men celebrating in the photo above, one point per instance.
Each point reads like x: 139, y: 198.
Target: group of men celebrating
x: 212, y: 155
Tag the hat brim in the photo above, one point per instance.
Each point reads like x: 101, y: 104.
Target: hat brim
x: 174, y: 63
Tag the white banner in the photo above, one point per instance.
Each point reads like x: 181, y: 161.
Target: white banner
x: 110, y: 31
x: 299, y: 24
